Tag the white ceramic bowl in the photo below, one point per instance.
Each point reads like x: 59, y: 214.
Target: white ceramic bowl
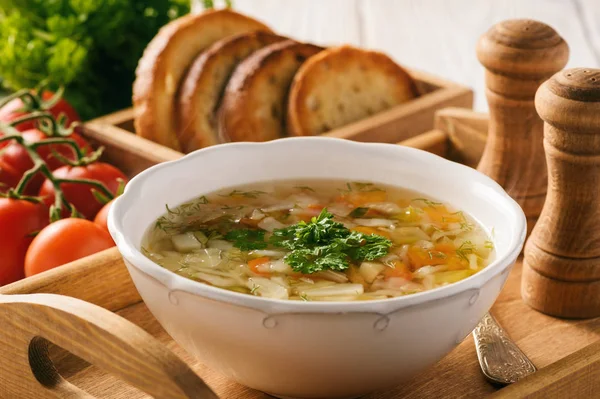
x: 308, y: 349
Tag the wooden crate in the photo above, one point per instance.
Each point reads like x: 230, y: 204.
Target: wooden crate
x: 399, y: 123
x: 566, y: 352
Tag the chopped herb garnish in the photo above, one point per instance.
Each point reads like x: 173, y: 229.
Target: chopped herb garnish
x: 232, y: 208
x: 304, y: 297
x: 359, y: 212
x: 305, y: 188
x: 366, y: 187
x: 246, y: 239
x: 361, y: 187
x: 488, y: 244
x: 427, y: 202
x: 172, y: 211
x: 436, y: 254
x: 254, y: 288
x: 245, y: 194
x: 465, y: 249
x: 323, y: 244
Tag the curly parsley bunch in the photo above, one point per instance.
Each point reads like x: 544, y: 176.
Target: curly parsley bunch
x: 89, y: 46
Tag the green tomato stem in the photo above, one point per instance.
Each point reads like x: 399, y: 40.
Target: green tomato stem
x: 39, y: 166
x: 40, y: 115
x: 23, y: 93
x: 69, y: 142
x: 96, y: 184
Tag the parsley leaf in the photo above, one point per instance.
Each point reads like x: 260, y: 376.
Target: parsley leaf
x: 323, y: 244
x: 359, y: 212
x: 246, y: 239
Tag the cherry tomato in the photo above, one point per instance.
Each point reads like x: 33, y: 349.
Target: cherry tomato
x: 102, y: 216
x: 18, y: 220
x: 80, y: 195
x: 14, y: 110
x: 64, y: 241
x: 9, y: 177
x: 17, y: 157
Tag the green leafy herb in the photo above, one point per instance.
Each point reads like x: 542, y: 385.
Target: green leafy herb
x: 305, y: 188
x: 254, y: 288
x: 361, y: 187
x: 488, y: 244
x: 246, y: 239
x: 91, y: 47
x: 428, y: 202
x: 366, y: 187
x: 245, y: 194
x: 465, y: 249
x: 359, y: 212
x: 324, y: 244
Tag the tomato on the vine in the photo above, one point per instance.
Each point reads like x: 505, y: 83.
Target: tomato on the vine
x: 9, y: 176
x: 15, y: 109
x: 101, y: 218
x: 19, y: 220
x: 17, y: 157
x: 64, y: 241
x: 81, y: 195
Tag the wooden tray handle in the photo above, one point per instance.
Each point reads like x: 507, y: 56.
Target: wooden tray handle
x: 95, y: 335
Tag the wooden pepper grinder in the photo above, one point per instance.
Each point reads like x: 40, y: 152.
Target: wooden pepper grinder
x: 518, y: 56
x: 561, y: 270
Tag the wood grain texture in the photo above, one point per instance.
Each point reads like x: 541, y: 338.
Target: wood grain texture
x: 130, y: 153
x: 544, y: 339
x: 30, y: 322
x: 467, y: 132
x: 582, y: 369
x: 434, y: 141
x: 518, y: 56
x: 562, y: 257
x: 405, y: 120
x: 391, y: 126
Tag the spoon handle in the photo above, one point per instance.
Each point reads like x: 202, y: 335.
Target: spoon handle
x: 501, y: 360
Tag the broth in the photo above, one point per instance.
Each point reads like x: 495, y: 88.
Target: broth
x: 319, y: 240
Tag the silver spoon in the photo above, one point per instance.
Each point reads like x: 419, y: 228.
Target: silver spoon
x: 501, y: 360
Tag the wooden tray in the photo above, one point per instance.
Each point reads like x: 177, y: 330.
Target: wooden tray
x: 399, y: 123
x: 567, y: 352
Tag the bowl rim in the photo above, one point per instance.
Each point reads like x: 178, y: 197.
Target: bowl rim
x: 174, y: 282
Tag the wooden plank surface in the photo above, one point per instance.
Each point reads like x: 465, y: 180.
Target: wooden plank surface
x: 544, y: 339
x: 437, y: 36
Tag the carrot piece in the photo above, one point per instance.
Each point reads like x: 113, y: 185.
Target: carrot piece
x: 420, y: 257
x: 316, y: 207
x: 399, y: 270
x: 445, y: 248
x: 441, y: 214
x: 358, y: 198
x: 254, y: 263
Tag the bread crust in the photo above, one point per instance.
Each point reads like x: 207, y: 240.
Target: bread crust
x: 164, y: 62
x: 253, y: 105
x: 204, y: 84
x: 342, y: 85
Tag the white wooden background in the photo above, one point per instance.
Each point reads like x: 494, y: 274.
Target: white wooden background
x: 437, y: 36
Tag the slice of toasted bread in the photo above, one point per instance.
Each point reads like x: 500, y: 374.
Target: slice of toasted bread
x: 167, y: 58
x: 342, y: 85
x: 253, y: 106
x: 203, y: 86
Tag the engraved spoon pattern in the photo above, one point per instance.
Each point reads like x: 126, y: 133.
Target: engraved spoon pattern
x: 501, y: 361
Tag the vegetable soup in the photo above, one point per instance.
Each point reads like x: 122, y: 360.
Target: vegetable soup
x: 319, y: 240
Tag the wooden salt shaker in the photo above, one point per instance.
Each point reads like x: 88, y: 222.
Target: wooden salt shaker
x: 561, y: 270
x: 518, y: 56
